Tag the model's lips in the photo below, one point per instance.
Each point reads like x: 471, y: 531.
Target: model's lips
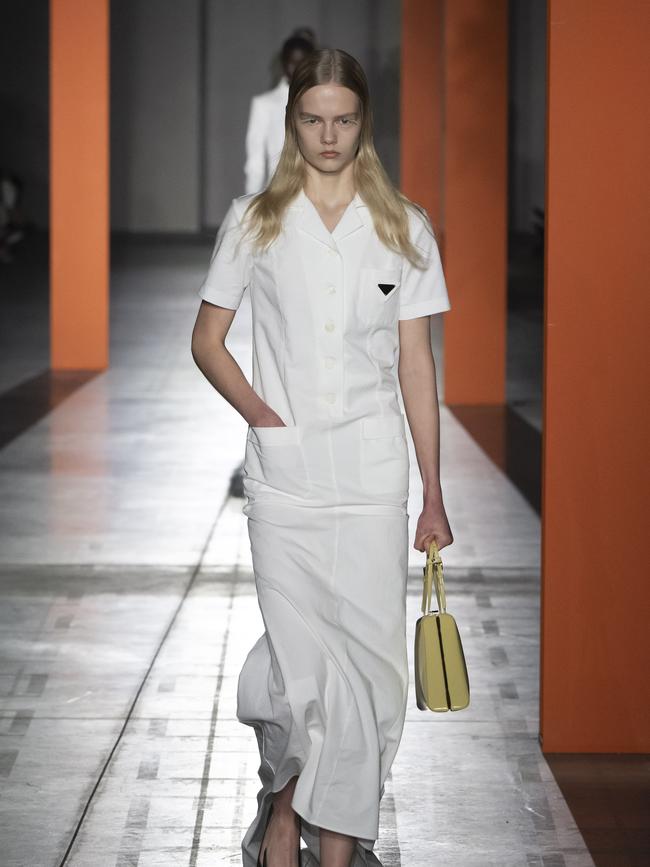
x: 329, y: 153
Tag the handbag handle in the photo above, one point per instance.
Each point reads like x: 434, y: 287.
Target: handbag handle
x: 433, y: 579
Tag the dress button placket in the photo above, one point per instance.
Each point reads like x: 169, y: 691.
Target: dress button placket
x: 332, y: 343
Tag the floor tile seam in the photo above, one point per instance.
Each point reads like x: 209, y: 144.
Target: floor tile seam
x: 194, y: 573
x: 209, y: 749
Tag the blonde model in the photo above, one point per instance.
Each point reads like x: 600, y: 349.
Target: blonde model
x: 344, y: 274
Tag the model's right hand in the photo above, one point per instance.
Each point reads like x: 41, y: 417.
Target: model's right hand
x: 268, y: 418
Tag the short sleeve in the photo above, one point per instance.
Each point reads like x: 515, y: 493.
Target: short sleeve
x: 229, y: 270
x: 423, y: 291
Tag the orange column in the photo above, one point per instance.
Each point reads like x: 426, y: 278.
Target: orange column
x: 595, y: 661
x: 421, y: 107
x: 79, y: 191
x: 475, y: 199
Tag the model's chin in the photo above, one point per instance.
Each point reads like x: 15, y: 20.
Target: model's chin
x: 325, y: 164
x: 328, y: 164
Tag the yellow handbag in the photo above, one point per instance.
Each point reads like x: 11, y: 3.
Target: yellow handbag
x: 441, y: 681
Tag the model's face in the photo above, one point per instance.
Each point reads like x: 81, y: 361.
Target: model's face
x: 328, y: 123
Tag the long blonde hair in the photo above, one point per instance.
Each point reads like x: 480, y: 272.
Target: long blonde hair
x: 387, y: 205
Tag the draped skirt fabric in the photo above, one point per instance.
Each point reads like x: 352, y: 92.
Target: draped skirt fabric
x: 325, y: 686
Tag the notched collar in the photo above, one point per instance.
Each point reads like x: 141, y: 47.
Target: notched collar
x: 305, y: 217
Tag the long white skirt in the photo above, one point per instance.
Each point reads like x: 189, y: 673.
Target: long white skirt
x: 325, y: 686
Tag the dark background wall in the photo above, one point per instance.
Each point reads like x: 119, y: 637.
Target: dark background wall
x: 526, y: 110
x: 181, y: 81
x: 24, y: 113
x: 155, y: 115
x: 368, y: 30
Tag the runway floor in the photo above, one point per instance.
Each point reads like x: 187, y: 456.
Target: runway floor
x: 128, y: 606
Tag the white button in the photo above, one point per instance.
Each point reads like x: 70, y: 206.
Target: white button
x: 332, y: 252
x: 330, y: 397
x: 329, y: 361
x: 329, y: 325
x: 331, y: 289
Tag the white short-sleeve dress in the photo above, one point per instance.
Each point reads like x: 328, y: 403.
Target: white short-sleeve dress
x: 325, y: 686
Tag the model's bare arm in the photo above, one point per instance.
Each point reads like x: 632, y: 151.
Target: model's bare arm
x: 221, y: 370
x: 417, y: 377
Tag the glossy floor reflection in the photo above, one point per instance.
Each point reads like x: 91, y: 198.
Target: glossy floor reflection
x: 128, y: 607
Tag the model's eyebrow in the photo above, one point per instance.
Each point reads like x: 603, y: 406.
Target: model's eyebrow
x: 303, y: 114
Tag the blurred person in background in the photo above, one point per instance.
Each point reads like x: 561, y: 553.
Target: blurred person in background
x: 11, y: 216
x: 307, y: 33
x: 265, y: 132
x: 276, y: 67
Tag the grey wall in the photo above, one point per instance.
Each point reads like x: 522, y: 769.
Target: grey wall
x: 527, y: 110
x: 155, y: 115
x: 242, y: 39
x: 24, y: 101
x: 182, y: 78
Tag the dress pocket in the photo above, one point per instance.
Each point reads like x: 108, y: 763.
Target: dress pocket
x: 378, y: 296
x: 384, y: 454
x: 274, y: 457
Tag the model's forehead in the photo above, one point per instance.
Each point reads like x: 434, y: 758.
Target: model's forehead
x: 324, y: 99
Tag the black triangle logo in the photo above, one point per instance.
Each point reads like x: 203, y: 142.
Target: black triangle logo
x: 386, y: 287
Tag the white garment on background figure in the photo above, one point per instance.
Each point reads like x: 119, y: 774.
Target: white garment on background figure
x: 265, y: 135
